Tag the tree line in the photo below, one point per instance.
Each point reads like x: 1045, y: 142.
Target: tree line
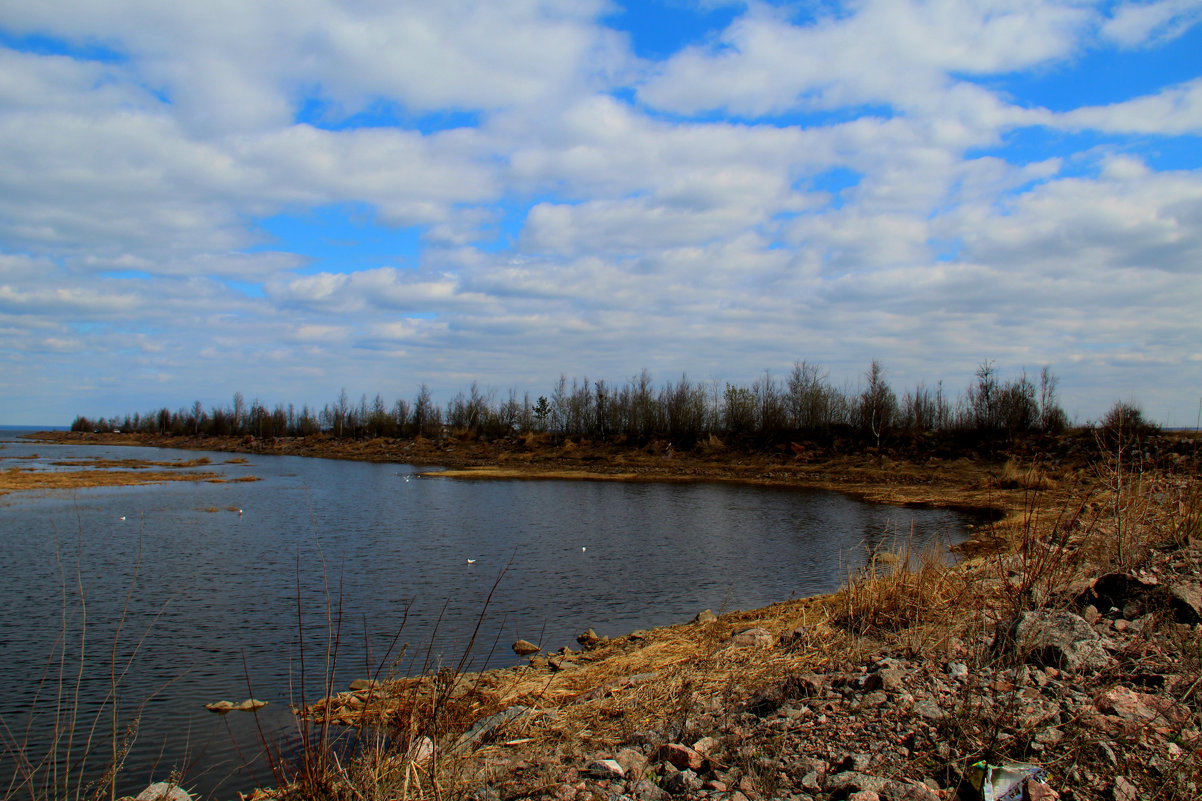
x: 800, y: 404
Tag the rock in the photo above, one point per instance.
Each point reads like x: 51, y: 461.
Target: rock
x: 589, y: 638
x: 772, y: 698
x: 685, y: 781
x: 844, y: 784
x: 1141, y: 707
x: 1124, y: 790
x: 647, y: 791
x: 908, y: 791
x: 864, y: 795
x: 606, y: 769
x: 1059, y: 639
x: 1185, y: 599
x: 890, y: 680
x: 487, y: 727
x: 164, y: 791
x: 422, y: 751
x: 1038, y: 791
x: 928, y: 709
x: 1115, y: 591
x: 857, y: 763
x: 251, y: 705
x: 220, y: 707
x: 875, y: 699
x: 681, y: 756
x: 364, y: 684
x: 958, y: 671
x: 753, y: 638
x: 633, y: 763
x: 1049, y: 736
x: 525, y: 647
x: 705, y: 616
x: 705, y: 745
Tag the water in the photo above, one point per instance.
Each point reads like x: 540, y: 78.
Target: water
x: 206, y: 604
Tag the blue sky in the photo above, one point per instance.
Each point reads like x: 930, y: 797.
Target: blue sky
x: 286, y: 200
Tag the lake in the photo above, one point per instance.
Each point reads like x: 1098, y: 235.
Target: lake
x: 207, y: 591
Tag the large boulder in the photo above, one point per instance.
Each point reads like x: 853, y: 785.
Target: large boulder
x: 164, y: 791
x: 1058, y: 639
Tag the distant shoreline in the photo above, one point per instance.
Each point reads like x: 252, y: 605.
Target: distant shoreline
x: 995, y: 484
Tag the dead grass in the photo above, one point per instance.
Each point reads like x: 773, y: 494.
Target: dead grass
x: 1054, y: 533
x: 133, y: 464
x: 21, y: 480
x: 899, y: 591
x: 1026, y: 477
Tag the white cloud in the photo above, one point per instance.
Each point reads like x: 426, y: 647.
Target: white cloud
x: 1138, y: 23
x: 231, y: 67
x: 1172, y: 111
x: 565, y: 227
x: 890, y: 52
x: 377, y: 289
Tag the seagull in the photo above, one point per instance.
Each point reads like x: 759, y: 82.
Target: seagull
x: 239, y: 513
x: 583, y: 549
x: 471, y: 561
x: 122, y: 517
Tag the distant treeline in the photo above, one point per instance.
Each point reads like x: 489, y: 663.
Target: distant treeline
x: 802, y: 404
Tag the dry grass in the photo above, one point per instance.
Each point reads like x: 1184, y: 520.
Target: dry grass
x: 1026, y: 477
x: 19, y: 479
x: 899, y: 591
x: 587, y: 702
x: 133, y: 464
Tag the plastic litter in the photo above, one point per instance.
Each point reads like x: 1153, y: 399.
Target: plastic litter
x: 1003, y: 782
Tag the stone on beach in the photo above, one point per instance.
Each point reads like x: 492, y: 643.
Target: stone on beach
x: 525, y: 648
x: 164, y: 791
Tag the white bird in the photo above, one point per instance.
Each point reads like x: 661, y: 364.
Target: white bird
x: 239, y: 513
x: 471, y: 561
x: 583, y: 549
x: 406, y: 479
x: 122, y: 517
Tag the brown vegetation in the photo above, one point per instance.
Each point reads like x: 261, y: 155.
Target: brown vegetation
x: 21, y: 479
x: 781, y: 696
x: 901, y: 681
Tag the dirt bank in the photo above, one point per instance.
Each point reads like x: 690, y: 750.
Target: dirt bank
x: 968, y: 480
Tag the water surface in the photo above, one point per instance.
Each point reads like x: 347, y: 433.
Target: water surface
x: 210, y: 589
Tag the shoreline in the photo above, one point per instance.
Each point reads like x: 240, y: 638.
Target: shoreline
x: 964, y: 483
x: 891, y: 687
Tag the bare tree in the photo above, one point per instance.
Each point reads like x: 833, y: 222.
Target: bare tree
x: 878, y: 404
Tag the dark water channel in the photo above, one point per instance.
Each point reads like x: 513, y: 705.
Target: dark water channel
x: 215, y: 603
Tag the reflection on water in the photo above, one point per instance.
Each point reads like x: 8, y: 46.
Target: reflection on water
x: 208, y: 604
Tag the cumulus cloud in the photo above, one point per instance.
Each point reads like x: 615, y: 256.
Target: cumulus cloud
x: 1174, y: 110
x: 242, y: 67
x: 1138, y: 23
x: 890, y: 52
x: 838, y: 185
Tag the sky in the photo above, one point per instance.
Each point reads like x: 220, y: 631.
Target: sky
x: 286, y: 198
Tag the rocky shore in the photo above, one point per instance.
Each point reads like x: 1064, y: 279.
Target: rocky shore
x: 1064, y: 664
x: 1078, y: 702
x: 1061, y: 659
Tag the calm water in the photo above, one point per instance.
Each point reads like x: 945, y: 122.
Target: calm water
x: 215, y: 603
